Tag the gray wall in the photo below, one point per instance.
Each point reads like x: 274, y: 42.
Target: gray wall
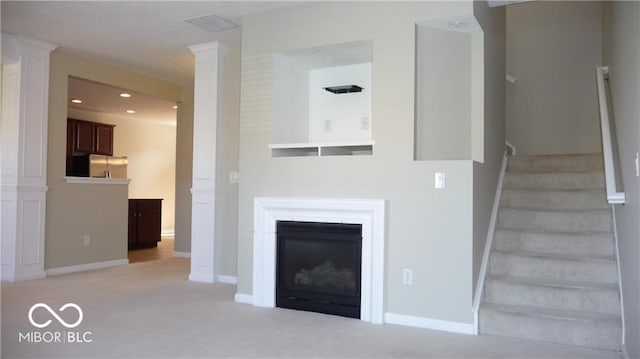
x: 184, y: 167
x: 485, y: 174
x: 226, y: 227
x: 428, y: 230
x: 553, y: 49
x: 443, y: 94
x: 622, y: 54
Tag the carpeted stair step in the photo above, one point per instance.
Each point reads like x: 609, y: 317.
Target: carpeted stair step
x: 552, y: 294
x: 556, y: 163
x: 594, y: 244
x: 556, y: 221
x: 600, y: 331
x: 529, y: 180
x: 554, y: 267
x: 554, y: 199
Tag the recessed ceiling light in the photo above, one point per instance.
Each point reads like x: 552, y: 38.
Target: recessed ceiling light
x: 175, y: 107
x: 124, y: 94
x: 130, y: 111
x: 76, y: 100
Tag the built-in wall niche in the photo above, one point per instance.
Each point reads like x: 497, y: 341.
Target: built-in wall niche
x: 322, y: 101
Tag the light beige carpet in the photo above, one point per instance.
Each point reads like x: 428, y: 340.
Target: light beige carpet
x: 150, y: 310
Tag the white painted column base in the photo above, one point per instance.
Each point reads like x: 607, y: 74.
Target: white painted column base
x: 206, y: 115
x: 23, y: 137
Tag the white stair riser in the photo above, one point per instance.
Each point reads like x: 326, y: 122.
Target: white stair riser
x: 518, y: 180
x: 588, y: 333
x: 587, y: 299
x: 599, y: 221
x: 598, y: 271
x: 571, y: 163
x: 599, y: 245
x: 554, y: 200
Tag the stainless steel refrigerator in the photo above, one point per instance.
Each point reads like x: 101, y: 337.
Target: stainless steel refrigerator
x: 108, y: 166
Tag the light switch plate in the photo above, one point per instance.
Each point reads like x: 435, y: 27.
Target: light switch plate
x: 234, y: 177
x: 440, y: 181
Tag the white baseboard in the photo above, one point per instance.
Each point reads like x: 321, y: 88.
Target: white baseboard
x: 243, y: 298
x: 428, y: 323
x: 86, y: 267
x: 169, y: 233
x: 229, y: 279
x: 182, y: 254
x: 201, y: 277
x: 8, y: 275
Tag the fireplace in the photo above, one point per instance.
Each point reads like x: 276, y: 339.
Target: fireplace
x: 369, y: 213
x: 318, y: 267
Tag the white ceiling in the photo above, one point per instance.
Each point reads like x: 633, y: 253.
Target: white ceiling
x: 149, y: 37
x: 106, y: 99
x: 146, y: 36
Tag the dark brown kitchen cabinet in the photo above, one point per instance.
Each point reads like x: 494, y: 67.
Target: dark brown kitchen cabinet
x: 104, y: 139
x: 145, y: 222
x: 91, y: 137
x: 87, y: 138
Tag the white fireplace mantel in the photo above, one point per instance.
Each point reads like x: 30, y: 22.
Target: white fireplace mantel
x: 370, y: 213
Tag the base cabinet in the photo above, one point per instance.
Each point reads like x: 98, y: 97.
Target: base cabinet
x: 145, y: 222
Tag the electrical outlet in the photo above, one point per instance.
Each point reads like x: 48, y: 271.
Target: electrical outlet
x: 364, y: 123
x: 86, y: 240
x: 327, y: 125
x: 407, y: 276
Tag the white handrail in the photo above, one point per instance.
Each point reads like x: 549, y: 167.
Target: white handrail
x: 613, y: 196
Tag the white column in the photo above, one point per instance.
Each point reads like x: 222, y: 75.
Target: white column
x: 23, y: 137
x: 206, y: 115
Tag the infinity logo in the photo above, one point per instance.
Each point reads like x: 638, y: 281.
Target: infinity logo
x: 48, y: 308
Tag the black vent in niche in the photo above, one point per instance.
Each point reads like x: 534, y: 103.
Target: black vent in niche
x: 343, y: 89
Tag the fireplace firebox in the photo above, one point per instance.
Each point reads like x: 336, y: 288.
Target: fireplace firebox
x: 318, y: 267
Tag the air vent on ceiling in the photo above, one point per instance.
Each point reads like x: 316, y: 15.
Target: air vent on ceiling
x: 343, y: 89
x: 212, y: 23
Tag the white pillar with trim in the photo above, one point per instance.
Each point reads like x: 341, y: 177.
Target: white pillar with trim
x: 207, y: 109
x: 23, y: 169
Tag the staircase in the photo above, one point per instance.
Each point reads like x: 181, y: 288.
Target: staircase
x: 552, y: 273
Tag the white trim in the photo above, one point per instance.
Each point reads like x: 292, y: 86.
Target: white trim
x: 86, y: 267
x: 229, y: 279
x: 496, y: 3
x: 512, y: 147
x: 243, y: 298
x: 615, y: 241
x: 22, y: 188
x: 200, y: 276
x: 487, y: 245
x: 613, y: 195
x: 207, y: 115
x: 321, y: 144
x: 370, y: 213
x: 8, y: 275
x: 94, y: 180
x: 428, y: 323
x: 182, y: 254
x: 168, y: 233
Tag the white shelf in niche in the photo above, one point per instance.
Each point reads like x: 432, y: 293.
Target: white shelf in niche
x: 322, y: 149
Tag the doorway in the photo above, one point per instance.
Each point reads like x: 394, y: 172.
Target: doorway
x: 144, y: 133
